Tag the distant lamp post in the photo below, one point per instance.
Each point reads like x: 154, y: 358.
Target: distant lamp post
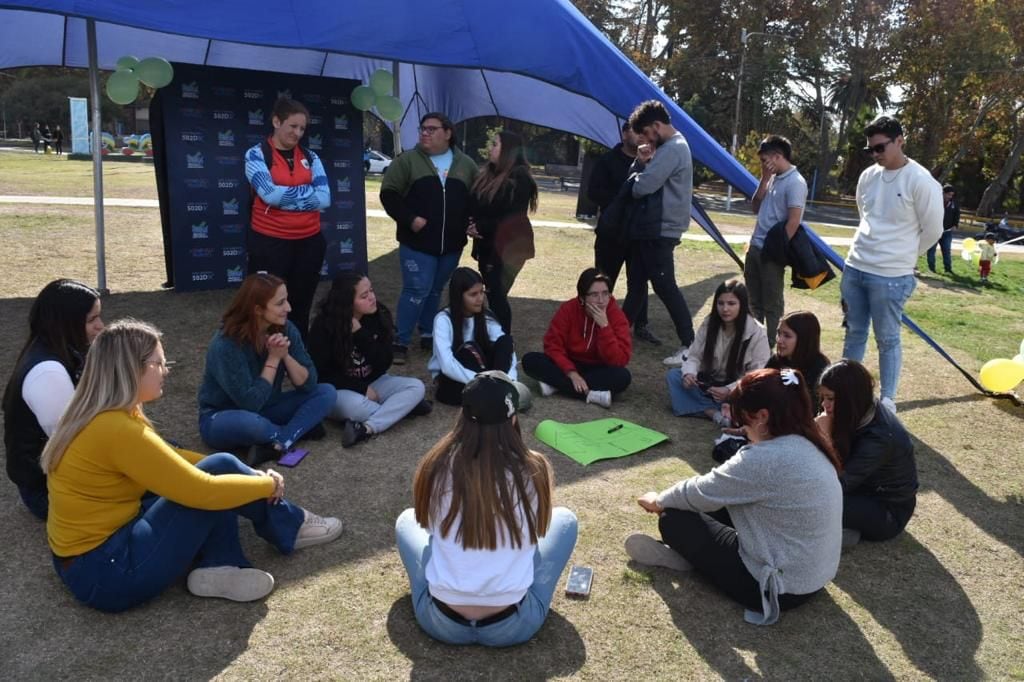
x: 744, y: 37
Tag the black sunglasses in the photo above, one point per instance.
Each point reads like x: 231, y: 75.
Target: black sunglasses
x: 878, y: 148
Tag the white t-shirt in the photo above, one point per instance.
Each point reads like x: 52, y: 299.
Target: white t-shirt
x: 47, y: 390
x: 900, y: 218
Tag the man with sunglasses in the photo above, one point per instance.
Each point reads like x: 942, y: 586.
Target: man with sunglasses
x: 426, y: 192
x: 900, y: 206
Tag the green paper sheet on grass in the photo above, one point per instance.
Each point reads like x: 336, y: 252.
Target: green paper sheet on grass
x: 601, y: 439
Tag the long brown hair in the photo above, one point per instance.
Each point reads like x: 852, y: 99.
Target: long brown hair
x: 807, y: 355
x: 788, y: 406
x: 854, y: 391
x: 733, y: 358
x: 490, y: 474
x: 511, y: 168
x: 240, y: 322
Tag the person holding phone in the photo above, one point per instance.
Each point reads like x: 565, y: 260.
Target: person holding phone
x: 586, y: 347
x: 483, y: 546
x: 765, y: 527
x: 129, y: 513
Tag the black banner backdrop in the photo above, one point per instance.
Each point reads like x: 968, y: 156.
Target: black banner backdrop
x: 204, y: 122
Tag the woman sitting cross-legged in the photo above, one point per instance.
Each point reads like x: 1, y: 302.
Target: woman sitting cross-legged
x: 468, y: 340
x: 241, y: 400
x: 765, y: 526
x: 129, y: 514
x: 482, y: 545
x: 728, y: 344
x: 879, y: 471
x: 350, y: 343
x: 587, y: 346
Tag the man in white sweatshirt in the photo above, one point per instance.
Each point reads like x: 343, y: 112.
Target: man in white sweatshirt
x: 900, y: 206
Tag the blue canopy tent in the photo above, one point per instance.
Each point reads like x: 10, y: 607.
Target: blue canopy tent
x: 538, y: 61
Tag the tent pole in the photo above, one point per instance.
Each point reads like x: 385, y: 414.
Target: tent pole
x: 97, y: 158
x: 396, y: 126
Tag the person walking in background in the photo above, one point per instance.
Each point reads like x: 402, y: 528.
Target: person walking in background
x: 501, y: 196
x: 37, y: 137
x: 611, y: 248
x: 900, y: 206
x: 290, y: 189
x: 950, y: 221
x: 780, y: 198
x: 58, y: 141
x: 426, y: 192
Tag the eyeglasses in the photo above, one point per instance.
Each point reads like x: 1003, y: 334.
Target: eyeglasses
x: 878, y: 148
x: 599, y: 294
x: 430, y: 130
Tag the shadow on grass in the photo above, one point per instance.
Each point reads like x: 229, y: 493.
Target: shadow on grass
x: 557, y: 650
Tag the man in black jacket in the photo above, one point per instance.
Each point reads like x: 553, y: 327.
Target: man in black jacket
x: 612, y: 251
x: 950, y: 221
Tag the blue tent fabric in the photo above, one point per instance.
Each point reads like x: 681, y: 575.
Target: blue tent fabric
x: 539, y: 61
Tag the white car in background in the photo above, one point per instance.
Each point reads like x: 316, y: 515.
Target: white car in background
x: 376, y: 162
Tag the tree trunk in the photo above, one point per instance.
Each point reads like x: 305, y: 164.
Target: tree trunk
x: 986, y: 105
x: 995, y: 191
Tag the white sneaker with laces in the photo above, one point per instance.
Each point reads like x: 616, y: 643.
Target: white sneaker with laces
x: 316, y: 530
x: 602, y: 398
x: 230, y: 582
x: 547, y: 390
x: 889, y: 404
x: 677, y: 358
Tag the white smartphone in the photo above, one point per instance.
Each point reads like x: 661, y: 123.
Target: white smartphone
x: 580, y: 579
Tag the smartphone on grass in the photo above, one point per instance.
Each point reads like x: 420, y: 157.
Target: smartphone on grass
x: 579, y: 581
x: 292, y: 457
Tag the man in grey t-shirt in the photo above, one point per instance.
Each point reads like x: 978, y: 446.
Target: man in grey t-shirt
x: 780, y: 197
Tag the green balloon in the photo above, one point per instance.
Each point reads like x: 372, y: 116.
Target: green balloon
x: 156, y: 72
x: 122, y: 87
x: 127, y: 63
x: 363, y: 98
x: 382, y: 82
x: 390, y: 108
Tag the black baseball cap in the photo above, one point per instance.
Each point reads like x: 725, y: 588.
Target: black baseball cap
x: 490, y: 398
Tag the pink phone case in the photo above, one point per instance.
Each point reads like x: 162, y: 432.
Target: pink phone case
x: 292, y: 457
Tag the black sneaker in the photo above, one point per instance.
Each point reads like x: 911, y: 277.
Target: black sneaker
x: 354, y: 432
x: 424, y: 408
x: 264, y: 452
x: 399, y: 354
x: 427, y: 343
x: 645, y: 334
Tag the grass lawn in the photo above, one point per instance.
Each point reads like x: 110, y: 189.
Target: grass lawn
x: 942, y: 601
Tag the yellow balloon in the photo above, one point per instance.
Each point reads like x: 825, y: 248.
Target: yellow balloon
x: 969, y: 244
x: 1001, y: 375
x: 1019, y: 358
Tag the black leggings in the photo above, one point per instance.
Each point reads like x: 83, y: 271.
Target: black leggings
x: 876, y: 519
x: 297, y: 262
x: 598, y: 377
x: 498, y: 280
x: 710, y: 544
x: 472, y: 357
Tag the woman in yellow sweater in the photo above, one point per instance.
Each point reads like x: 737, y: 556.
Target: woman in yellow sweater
x: 129, y: 514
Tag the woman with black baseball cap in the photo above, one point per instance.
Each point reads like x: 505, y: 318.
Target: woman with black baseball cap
x: 483, y: 546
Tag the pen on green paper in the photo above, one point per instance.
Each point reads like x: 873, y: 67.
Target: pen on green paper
x: 615, y: 428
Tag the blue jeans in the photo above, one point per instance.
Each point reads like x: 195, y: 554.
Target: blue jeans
x: 879, y: 301
x: 152, y: 550
x: 687, y: 401
x: 284, y: 422
x: 553, y: 552
x: 424, y: 276
x: 946, y: 244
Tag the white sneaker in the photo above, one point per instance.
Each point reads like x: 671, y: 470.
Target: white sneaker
x: 721, y: 420
x: 677, y: 358
x: 547, y: 390
x: 316, y: 530
x: 889, y: 404
x: 602, y: 398
x: 230, y: 582
x: 645, y: 550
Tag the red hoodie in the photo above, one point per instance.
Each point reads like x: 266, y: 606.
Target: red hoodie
x: 574, y: 337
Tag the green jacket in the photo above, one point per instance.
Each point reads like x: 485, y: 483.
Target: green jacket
x: 411, y: 188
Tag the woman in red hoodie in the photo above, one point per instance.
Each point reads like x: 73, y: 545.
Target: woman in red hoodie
x: 587, y: 346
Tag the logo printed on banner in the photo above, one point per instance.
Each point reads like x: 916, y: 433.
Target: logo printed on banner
x: 228, y: 183
x: 253, y: 139
x: 316, y: 142
x: 201, y: 253
x: 197, y: 183
x: 223, y: 115
x: 228, y: 160
x: 312, y: 98
x: 346, y: 226
x: 342, y: 142
x: 224, y: 91
x: 287, y: 92
x: 191, y: 136
x: 226, y: 138
x: 341, y: 122
x: 323, y: 268
x: 191, y: 112
x: 252, y: 94
x: 200, y: 230
x: 256, y: 117
x: 197, y: 206
x: 229, y: 251
x: 344, y: 184
x: 315, y: 120
x: 232, y: 228
x: 344, y: 204
x: 235, y: 274
x: 342, y: 163
x: 195, y: 161
x: 204, y: 276
x: 345, y: 246
x: 190, y: 90
x: 339, y: 101
x: 230, y: 207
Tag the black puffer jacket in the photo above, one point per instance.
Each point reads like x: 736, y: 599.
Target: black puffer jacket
x: 881, y: 461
